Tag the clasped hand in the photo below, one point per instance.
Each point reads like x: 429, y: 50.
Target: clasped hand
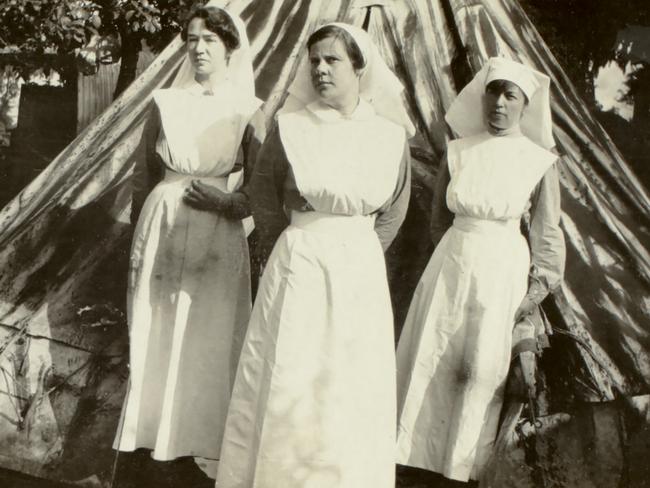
x: 204, y: 197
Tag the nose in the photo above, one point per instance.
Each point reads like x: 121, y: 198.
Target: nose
x: 320, y: 67
x: 199, y: 46
x: 500, y: 100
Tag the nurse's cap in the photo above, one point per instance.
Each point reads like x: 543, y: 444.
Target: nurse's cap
x: 465, y: 114
x: 517, y: 73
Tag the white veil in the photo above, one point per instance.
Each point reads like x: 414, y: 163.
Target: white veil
x: 378, y: 84
x: 465, y: 115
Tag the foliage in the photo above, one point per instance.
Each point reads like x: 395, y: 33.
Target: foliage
x: 584, y: 37
x: 65, y: 26
x: 582, y: 33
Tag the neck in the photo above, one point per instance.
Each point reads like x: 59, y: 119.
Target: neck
x: 209, y: 80
x: 345, y: 107
x: 500, y: 132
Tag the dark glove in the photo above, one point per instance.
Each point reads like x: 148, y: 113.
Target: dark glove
x: 526, y: 307
x: 206, y: 197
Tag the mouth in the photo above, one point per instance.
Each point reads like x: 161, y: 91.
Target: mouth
x: 322, y: 83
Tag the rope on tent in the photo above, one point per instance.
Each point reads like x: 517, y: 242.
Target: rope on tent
x: 581, y: 342
x: 18, y: 333
x: 117, y: 443
x: 18, y: 413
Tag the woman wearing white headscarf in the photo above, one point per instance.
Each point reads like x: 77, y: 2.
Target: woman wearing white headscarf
x: 189, y: 285
x: 314, y: 398
x: 454, y: 352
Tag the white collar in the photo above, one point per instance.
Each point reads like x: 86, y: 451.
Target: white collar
x: 195, y: 88
x: 514, y: 131
x: 363, y: 111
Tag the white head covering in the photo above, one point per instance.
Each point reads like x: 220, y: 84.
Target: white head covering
x: 378, y: 84
x: 466, y: 115
x: 240, y: 65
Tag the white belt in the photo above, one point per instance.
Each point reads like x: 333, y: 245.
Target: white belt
x: 331, y: 223
x: 472, y: 224
x: 220, y: 182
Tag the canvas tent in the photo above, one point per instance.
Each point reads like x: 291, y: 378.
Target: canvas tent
x: 64, y: 247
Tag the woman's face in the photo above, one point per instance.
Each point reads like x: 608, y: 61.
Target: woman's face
x: 206, y: 50
x: 504, y: 104
x: 332, y: 74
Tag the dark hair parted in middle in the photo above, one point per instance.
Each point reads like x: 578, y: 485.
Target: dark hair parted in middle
x: 336, y: 32
x: 217, y: 21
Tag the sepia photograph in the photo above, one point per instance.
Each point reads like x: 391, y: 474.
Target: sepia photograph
x: 324, y: 244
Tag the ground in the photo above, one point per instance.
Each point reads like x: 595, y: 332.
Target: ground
x: 405, y: 479
x: 11, y: 479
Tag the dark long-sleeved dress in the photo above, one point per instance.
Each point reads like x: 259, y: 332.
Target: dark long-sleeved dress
x: 189, y: 286
x: 454, y: 353
x: 314, y: 398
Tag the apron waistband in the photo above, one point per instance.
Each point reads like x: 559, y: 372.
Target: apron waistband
x: 472, y: 224
x: 220, y: 182
x: 331, y: 223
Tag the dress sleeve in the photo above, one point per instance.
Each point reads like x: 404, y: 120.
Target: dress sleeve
x: 441, y: 217
x: 548, y: 251
x: 252, y: 142
x: 148, y: 170
x: 392, y: 214
x: 265, y: 193
x: 236, y: 205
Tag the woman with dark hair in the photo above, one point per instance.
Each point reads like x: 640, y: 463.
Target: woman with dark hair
x: 314, y: 397
x: 189, y: 286
x: 484, y: 277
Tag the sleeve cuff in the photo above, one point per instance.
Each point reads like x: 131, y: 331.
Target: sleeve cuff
x: 537, y: 291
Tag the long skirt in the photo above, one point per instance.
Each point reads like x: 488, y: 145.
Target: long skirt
x: 188, y: 306
x: 313, y: 404
x: 454, y: 352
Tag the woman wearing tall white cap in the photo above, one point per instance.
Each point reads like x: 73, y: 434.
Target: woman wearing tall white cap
x: 483, y: 277
x: 314, y: 398
x: 189, y: 296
